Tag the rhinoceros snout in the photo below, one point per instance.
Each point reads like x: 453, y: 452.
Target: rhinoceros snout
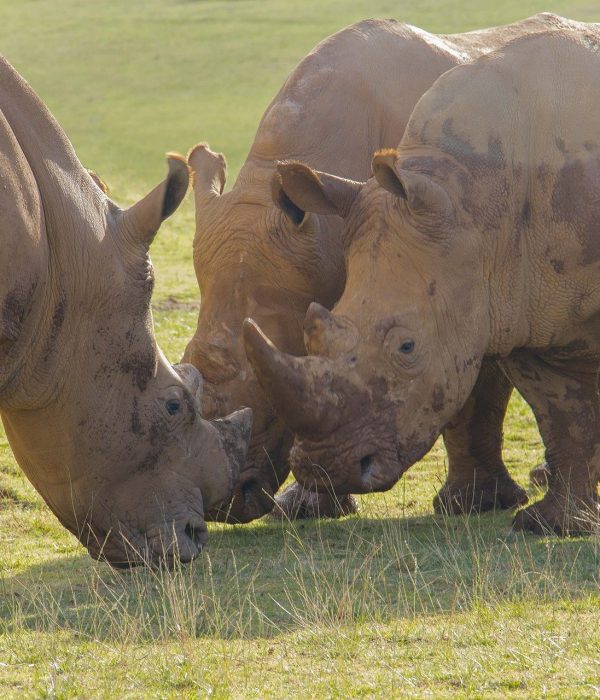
x: 181, y: 541
x: 363, y: 472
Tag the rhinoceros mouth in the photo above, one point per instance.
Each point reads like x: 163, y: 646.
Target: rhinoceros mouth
x: 162, y: 546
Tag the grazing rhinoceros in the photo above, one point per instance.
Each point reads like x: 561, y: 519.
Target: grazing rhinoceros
x: 489, y: 208
x: 350, y: 96
x: 102, y: 425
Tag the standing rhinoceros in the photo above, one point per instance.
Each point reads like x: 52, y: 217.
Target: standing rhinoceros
x: 350, y: 96
x: 105, y: 429
x: 478, y: 238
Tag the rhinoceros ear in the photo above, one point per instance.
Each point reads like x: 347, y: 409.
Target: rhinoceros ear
x: 209, y: 172
x: 142, y: 220
x: 298, y: 189
x: 422, y: 194
x: 294, y: 213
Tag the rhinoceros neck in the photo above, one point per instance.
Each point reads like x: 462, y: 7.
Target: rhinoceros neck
x: 44, y: 445
x: 35, y: 369
x: 71, y: 217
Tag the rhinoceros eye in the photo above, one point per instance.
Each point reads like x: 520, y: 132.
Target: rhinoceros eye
x: 404, y: 349
x: 173, y: 406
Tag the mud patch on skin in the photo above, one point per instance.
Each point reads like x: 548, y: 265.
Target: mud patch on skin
x: 524, y: 216
x: 148, y: 463
x: 58, y: 318
x: 574, y: 201
x: 461, y: 148
x: 543, y: 175
x: 437, y: 399
x: 13, y: 314
x: 141, y: 368
x: 560, y: 144
x: 157, y: 434
x: 136, y: 424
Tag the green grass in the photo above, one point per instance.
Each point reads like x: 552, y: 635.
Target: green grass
x: 394, y: 601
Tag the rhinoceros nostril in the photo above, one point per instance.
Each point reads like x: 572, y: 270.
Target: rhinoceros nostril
x: 196, y: 535
x: 366, y: 465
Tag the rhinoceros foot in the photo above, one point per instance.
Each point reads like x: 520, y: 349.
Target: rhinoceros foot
x: 538, y: 476
x: 478, y: 497
x: 551, y: 515
x: 298, y: 503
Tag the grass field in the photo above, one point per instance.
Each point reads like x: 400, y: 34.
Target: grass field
x: 392, y: 602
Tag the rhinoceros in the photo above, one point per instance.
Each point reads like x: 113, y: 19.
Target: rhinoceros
x: 350, y: 96
x: 476, y: 240
x: 107, y: 431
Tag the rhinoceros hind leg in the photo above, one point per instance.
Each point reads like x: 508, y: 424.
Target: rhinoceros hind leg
x: 298, y: 503
x: 564, y: 399
x: 477, y: 477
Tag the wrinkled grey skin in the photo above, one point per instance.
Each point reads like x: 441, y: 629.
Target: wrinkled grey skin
x: 256, y: 255
x: 107, y: 431
x: 490, y: 206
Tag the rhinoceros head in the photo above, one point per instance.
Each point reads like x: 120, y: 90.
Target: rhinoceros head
x: 251, y: 259
x: 401, y: 351
x: 106, y: 429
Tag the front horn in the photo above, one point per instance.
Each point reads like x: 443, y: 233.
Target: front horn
x: 299, y: 388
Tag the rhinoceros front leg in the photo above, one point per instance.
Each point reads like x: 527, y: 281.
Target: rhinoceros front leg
x: 477, y: 477
x: 297, y: 503
x: 564, y: 399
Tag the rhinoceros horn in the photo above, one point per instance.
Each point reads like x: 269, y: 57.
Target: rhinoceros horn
x: 300, y: 388
x: 143, y: 219
x: 326, y: 334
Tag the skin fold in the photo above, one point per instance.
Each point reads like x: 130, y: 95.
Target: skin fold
x: 107, y: 431
x: 473, y: 248
x: 257, y: 255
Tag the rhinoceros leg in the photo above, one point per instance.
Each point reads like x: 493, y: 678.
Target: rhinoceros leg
x: 565, y: 401
x: 540, y: 475
x: 477, y: 477
x: 297, y: 503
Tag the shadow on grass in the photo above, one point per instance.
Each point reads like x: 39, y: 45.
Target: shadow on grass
x: 269, y: 578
